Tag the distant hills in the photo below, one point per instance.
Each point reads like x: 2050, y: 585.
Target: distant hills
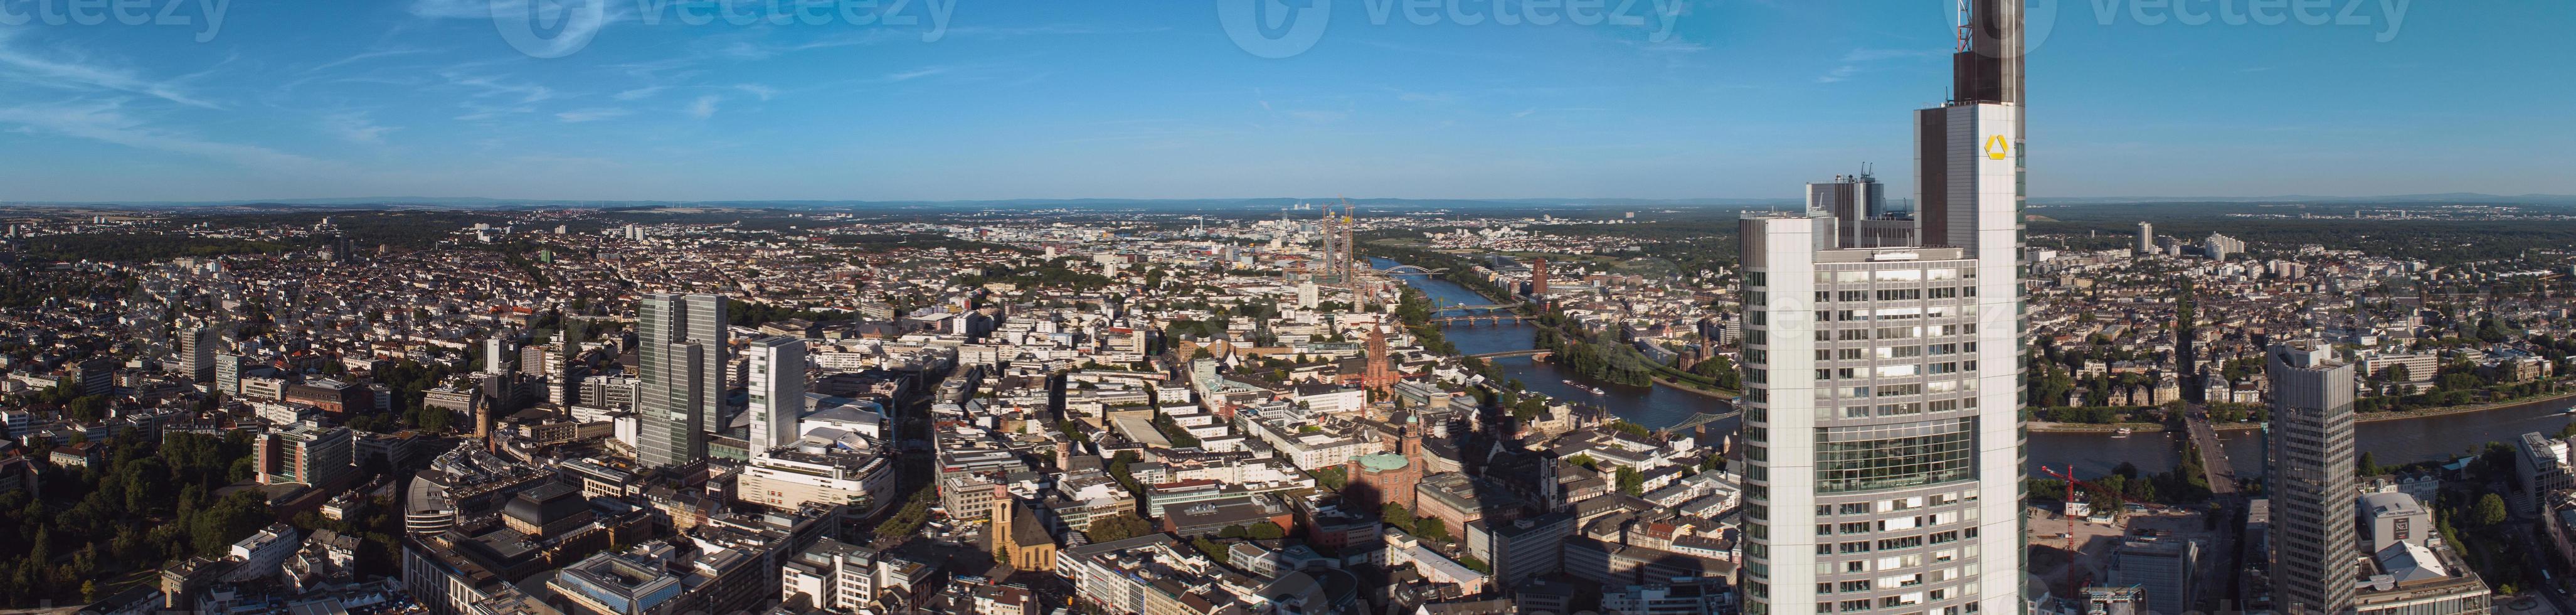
x: 2426, y: 199
x: 1236, y: 205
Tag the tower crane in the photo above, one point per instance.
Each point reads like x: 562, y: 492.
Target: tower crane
x: 2071, y: 557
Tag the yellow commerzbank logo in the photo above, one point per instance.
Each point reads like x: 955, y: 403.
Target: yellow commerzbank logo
x: 1997, y: 148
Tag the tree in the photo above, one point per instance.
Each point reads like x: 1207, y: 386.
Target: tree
x: 1209, y: 548
x: 2490, y: 510
x: 1265, y: 530
x: 1117, y: 527
x: 1395, y: 515
x: 1720, y: 371
x: 1631, y: 482
x: 1431, y: 528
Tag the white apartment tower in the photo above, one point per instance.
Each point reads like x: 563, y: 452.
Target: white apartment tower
x: 775, y: 373
x: 1882, y: 433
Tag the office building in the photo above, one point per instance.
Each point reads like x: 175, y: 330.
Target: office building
x: 2146, y: 239
x: 2407, y: 578
x: 635, y: 582
x: 1538, y: 277
x: 2164, y: 567
x: 499, y: 355
x: 776, y: 376
x: 1858, y: 206
x: 228, y: 373
x: 303, y: 453
x: 2114, y: 600
x: 1521, y: 549
x: 2395, y: 518
x: 2543, y: 469
x: 2311, y: 480
x: 540, y: 360
x: 1703, y: 596
x: 830, y: 575
x: 681, y: 357
x: 197, y: 353
x: 1882, y: 428
x: 95, y: 376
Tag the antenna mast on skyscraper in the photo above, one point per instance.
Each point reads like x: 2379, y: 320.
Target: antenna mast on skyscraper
x: 1965, y: 35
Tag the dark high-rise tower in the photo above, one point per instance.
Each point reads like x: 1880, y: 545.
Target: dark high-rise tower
x: 2311, y: 480
x: 682, y: 358
x: 1988, y: 64
x: 1538, y: 277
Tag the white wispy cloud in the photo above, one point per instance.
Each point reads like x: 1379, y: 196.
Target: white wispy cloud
x: 61, y: 67
x: 1320, y: 117
x: 704, y: 107
x: 916, y: 73
x: 638, y: 93
x: 476, y: 112
x: 1856, y: 61
x: 495, y: 86
x: 590, y: 115
x: 106, y: 121
x: 1873, y: 55
x: 370, y: 55
x: 356, y: 127
x: 762, y: 91
x: 572, y: 32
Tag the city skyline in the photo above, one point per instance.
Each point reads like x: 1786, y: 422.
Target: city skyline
x: 1646, y: 307
x: 1065, y: 101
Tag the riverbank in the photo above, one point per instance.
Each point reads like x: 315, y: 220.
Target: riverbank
x: 2082, y: 428
x: 2048, y: 427
x: 1679, y: 386
x: 2447, y: 411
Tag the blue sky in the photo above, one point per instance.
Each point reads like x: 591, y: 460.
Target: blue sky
x: 1075, y: 98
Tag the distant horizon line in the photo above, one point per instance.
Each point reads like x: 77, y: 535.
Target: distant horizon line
x: 1264, y: 200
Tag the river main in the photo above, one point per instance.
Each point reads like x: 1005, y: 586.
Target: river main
x: 2092, y: 454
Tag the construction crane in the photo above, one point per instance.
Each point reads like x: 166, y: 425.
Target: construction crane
x: 2072, y: 584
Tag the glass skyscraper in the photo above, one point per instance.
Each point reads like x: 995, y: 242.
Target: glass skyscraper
x: 681, y: 352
